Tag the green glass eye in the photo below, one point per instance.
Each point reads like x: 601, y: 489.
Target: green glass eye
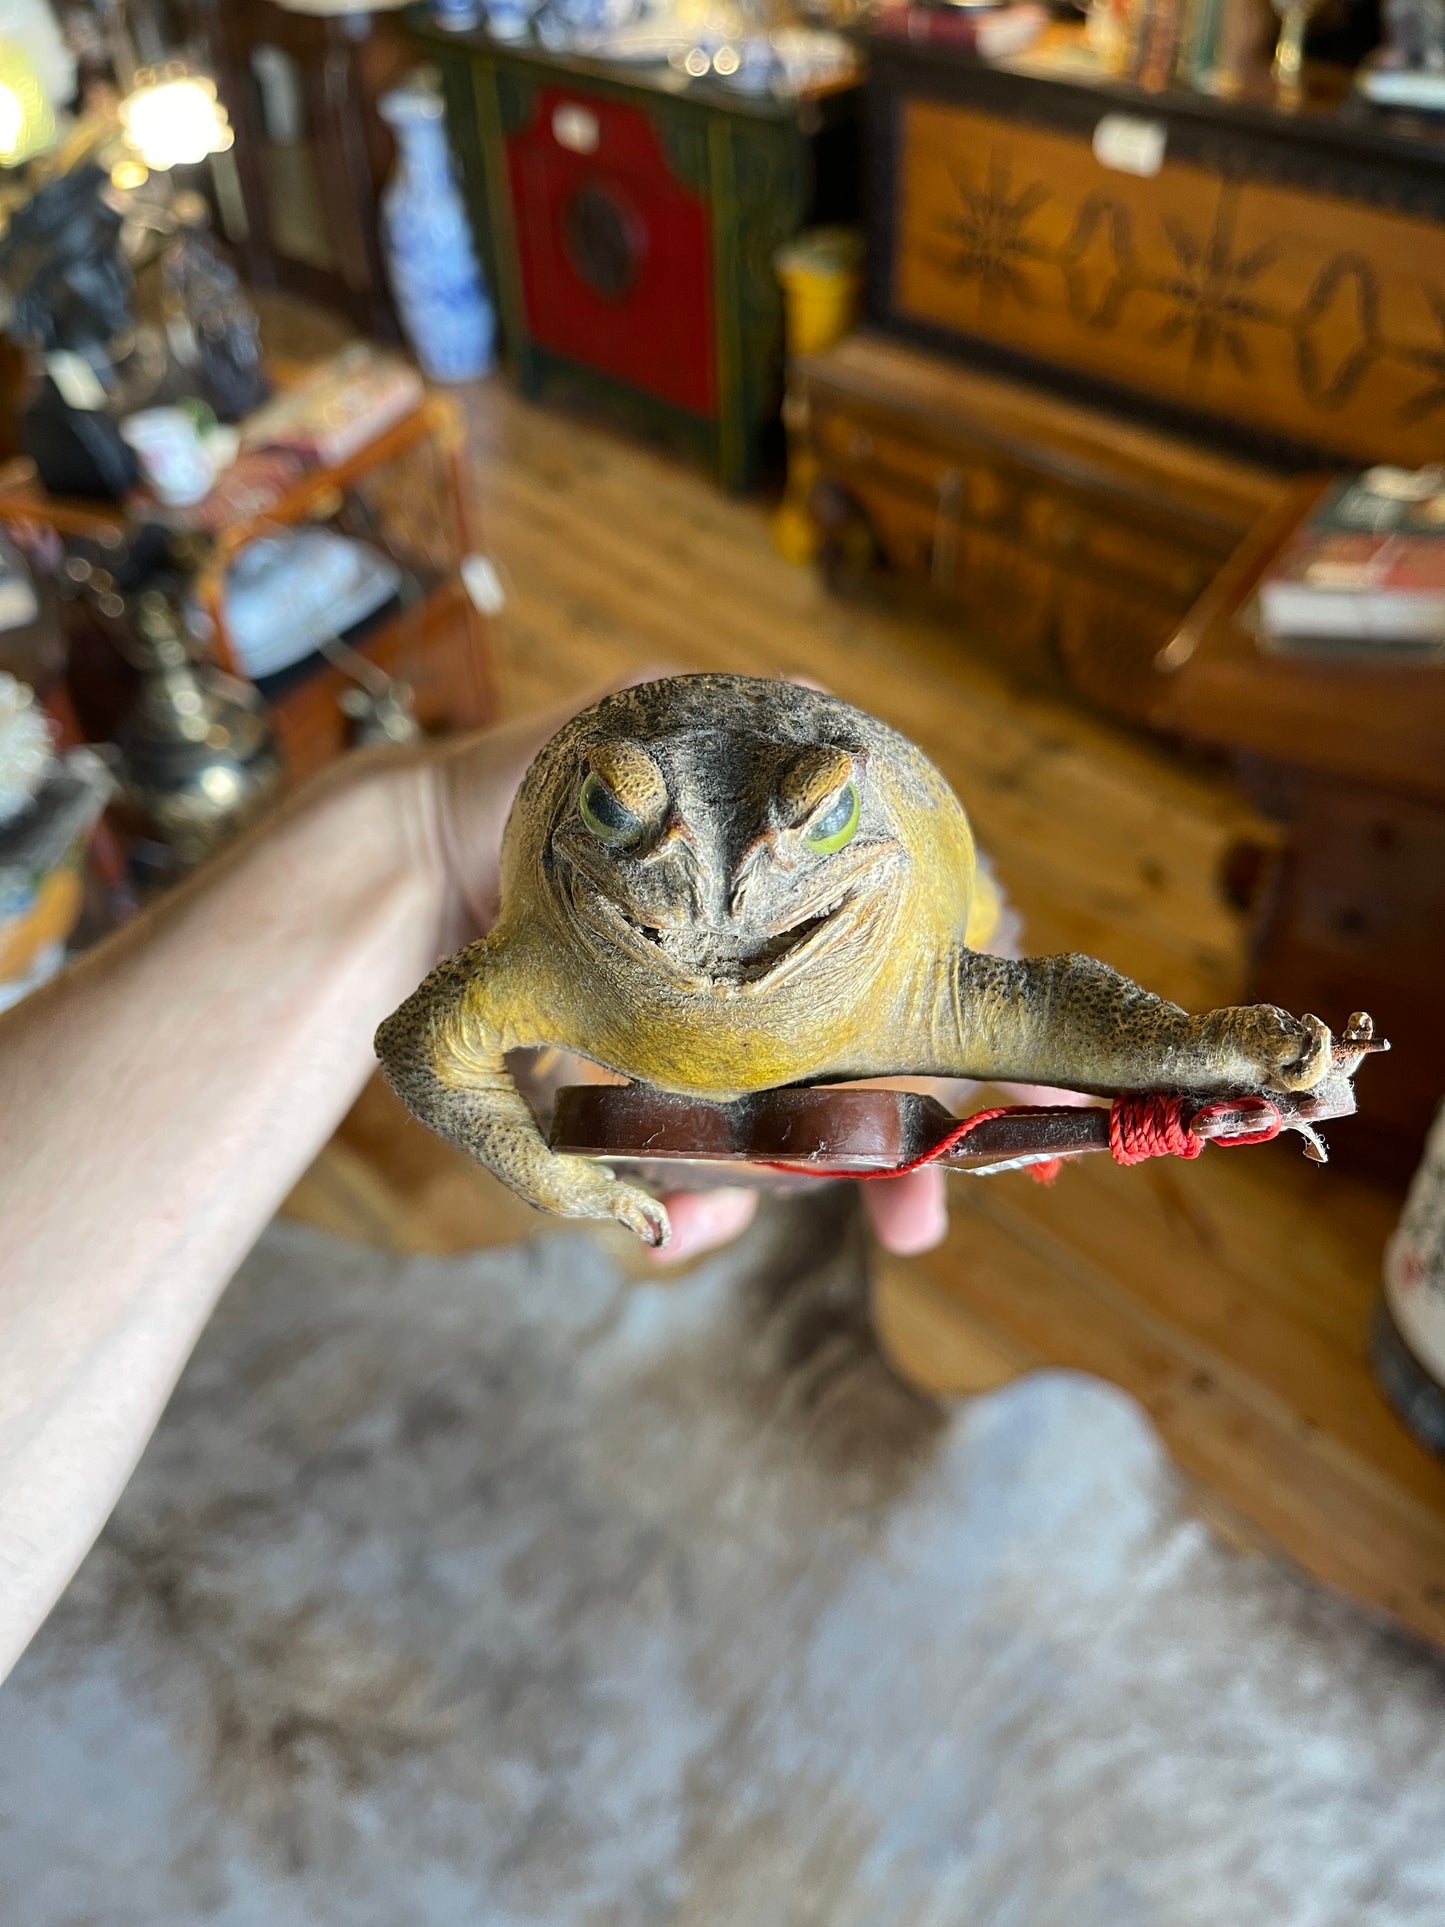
x: 609, y: 820
x: 838, y: 825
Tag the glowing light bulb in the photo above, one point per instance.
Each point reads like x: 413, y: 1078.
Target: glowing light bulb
x: 27, y: 126
x: 12, y: 120
x: 176, y: 122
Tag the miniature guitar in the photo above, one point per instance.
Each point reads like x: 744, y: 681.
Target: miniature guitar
x: 773, y: 1139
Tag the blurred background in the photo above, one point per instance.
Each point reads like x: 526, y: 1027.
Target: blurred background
x: 1066, y: 387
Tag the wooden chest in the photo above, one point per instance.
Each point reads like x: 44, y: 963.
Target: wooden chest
x: 1050, y: 526
x: 1273, y: 281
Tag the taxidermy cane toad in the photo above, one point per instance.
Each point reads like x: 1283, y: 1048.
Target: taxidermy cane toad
x: 716, y: 885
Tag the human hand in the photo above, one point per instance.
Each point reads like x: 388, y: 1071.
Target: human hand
x: 907, y: 1214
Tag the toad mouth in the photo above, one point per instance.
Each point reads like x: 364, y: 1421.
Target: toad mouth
x: 707, y: 952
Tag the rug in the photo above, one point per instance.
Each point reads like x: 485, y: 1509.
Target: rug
x: 500, y: 1592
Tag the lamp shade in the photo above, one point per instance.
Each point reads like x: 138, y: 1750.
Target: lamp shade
x: 27, y: 124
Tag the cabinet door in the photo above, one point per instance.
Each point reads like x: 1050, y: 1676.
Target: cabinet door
x: 615, y: 251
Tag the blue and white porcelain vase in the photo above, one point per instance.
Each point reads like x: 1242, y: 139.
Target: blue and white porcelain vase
x: 443, y: 305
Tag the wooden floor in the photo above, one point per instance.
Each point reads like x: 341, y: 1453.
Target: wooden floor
x: 1230, y: 1295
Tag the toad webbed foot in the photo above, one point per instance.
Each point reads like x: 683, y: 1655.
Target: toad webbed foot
x: 1273, y: 1050
x: 443, y: 1055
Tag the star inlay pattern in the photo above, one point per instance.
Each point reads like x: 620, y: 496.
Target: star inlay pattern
x: 988, y: 240
x: 1210, y: 296
x: 1216, y: 294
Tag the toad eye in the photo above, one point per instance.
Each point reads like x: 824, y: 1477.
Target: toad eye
x: 608, y: 819
x: 838, y: 825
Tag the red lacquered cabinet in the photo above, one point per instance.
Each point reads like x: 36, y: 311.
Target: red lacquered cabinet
x: 613, y: 250
x: 628, y: 221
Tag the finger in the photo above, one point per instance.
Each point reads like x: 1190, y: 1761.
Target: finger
x: 1046, y: 1095
x: 703, y: 1220
x: 909, y: 1214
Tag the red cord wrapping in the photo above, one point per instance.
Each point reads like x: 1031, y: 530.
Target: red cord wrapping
x: 1150, y: 1127
x: 1141, y: 1126
x: 945, y: 1144
x: 940, y: 1150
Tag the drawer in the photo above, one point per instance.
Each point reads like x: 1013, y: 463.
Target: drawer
x: 1369, y: 876
x: 854, y: 442
x: 1166, y: 558
x: 1021, y: 580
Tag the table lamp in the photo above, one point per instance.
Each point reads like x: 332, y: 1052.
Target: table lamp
x: 27, y: 124
x: 172, y: 118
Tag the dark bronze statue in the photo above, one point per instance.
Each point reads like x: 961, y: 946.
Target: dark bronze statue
x: 71, y: 291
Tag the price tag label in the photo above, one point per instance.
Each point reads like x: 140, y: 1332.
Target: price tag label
x: 1130, y: 145
x: 484, y: 585
x: 576, y: 128
x: 79, y: 384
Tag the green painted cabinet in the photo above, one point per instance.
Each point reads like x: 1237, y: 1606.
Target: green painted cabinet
x: 628, y: 218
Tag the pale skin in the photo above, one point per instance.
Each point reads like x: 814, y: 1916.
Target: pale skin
x: 158, y: 1102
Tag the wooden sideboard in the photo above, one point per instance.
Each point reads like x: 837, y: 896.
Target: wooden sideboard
x: 1080, y: 387
x: 1274, y: 286
x: 627, y: 220
x: 310, y: 191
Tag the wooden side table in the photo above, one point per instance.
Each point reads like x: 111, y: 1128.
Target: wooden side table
x: 628, y: 219
x: 1353, y: 759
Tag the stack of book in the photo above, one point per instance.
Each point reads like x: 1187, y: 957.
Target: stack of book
x: 993, y: 32
x: 340, y: 406
x: 1188, y: 43
x: 1363, y: 578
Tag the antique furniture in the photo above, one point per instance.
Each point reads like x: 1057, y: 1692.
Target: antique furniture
x: 312, y: 151
x: 628, y: 219
x: 1352, y: 759
x: 1257, y: 277
x: 1129, y: 317
x: 1049, y: 524
x: 402, y: 491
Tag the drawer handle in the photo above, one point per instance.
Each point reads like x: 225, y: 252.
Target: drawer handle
x: 945, y: 528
